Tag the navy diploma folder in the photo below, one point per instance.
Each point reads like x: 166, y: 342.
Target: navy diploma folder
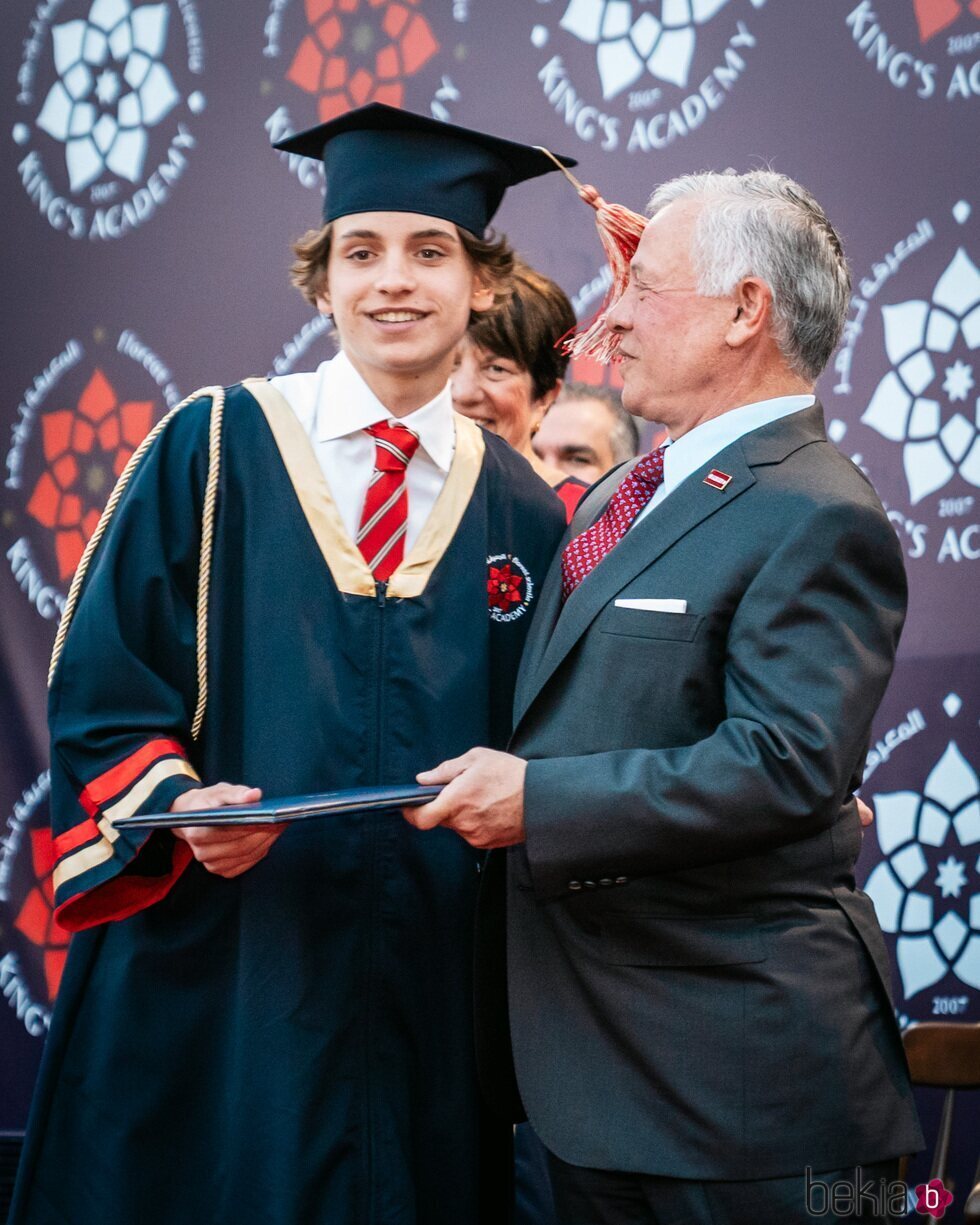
x: 290, y: 808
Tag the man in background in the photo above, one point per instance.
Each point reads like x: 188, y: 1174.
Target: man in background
x: 586, y: 432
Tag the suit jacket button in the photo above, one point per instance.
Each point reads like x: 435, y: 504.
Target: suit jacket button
x: 575, y: 885
x: 589, y: 884
x: 605, y: 882
x: 622, y: 880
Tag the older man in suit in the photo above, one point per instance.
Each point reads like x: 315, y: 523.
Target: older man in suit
x: 698, y: 991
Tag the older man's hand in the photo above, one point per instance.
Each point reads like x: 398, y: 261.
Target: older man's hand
x: 483, y: 800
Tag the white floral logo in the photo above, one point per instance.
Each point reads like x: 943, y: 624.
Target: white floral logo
x: 927, y: 400
x: 918, y: 889
x: 111, y: 88
x: 627, y: 46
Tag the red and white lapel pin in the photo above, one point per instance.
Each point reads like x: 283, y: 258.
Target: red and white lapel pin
x: 717, y: 479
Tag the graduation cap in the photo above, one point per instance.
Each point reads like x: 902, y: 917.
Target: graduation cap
x: 380, y: 158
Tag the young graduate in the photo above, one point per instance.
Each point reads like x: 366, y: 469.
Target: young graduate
x: 315, y: 582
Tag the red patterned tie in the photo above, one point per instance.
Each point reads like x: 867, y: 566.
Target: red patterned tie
x: 583, y: 554
x: 381, y: 536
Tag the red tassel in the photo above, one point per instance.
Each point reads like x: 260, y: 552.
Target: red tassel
x: 619, y: 231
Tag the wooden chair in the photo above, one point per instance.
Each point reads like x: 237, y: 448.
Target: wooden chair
x: 946, y: 1055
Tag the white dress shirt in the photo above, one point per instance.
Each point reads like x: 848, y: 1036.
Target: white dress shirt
x: 334, y: 405
x: 693, y: 450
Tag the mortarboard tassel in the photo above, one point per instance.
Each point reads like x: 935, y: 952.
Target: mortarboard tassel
x: 619, y: 231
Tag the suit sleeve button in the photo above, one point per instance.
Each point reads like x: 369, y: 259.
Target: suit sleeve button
x: 622, y: 880
x: 575, y: 885
x: 589, y: 884
x: 605, y: 882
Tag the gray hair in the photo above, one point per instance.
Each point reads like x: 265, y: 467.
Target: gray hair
x: 624, y: 436
x: 763, y: 224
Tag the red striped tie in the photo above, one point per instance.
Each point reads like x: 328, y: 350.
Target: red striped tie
x: 381, y: 536
x: 583, y: 554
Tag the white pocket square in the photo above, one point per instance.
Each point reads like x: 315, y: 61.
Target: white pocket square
x: 668, y: 606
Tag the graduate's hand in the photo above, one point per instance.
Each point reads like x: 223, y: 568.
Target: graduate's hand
x: 866, y: 814
x: 483, y: 800
x: 225, y: 850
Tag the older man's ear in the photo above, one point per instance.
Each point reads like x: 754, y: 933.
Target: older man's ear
x: 753, y: 305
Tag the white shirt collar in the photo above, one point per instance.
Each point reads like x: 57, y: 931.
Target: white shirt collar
x: 693, y: 450
x: 345, y: 404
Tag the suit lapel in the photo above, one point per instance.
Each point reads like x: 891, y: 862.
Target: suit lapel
x: 542, y: 627
x: 549, y: 600
x: 557, y: 629
x: 642, y: 545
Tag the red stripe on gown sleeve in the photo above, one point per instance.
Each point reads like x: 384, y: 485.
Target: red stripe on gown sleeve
x: 118, y: 777
x: 121, y: 896
x: 85, y: 831
x: 99, y: 877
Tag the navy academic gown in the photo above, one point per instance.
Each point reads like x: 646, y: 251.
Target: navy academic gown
x: 292, y: 1046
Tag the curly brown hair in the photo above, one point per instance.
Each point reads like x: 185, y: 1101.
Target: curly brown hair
x: 492, y: 258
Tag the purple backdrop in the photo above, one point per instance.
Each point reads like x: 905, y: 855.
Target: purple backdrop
x: 148, y: 227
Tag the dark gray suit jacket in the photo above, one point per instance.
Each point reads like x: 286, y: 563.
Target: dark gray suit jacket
x: 697, y: 988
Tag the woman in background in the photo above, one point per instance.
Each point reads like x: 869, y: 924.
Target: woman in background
x: 509, y: 371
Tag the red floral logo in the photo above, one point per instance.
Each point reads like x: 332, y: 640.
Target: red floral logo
x: 934, y: 16
x: 85, y: 449
x: 36, y: 919
x: 360, y: 51
x: 504, y: 587
x: 509, y: 587
x: 933, y: 1198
